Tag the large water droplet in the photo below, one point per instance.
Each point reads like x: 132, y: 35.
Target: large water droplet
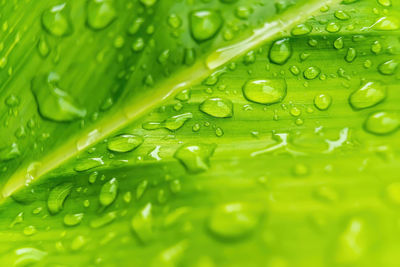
x: 280, y: 51
x: 195, y: 158
x: 124, y: 143
x: 265, y: 91
x: 369, y: 95
x: 142, y: 224
x: 108, y: 192
x: 56, y: 20
x: 322, y: 101
x: 382, y: 122
x: 217, y: 107
x: 57, y: 197
x: 100, y: 13
x: 205, y: 24
x: 54, y: 103
x: 231, y: 221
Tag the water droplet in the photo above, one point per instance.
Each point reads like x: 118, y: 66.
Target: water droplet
x: 57, y: 197
x: 78, y: 242
x: 174, y: 21
x: 302, y: 29
x: 28, y: 256
x: 136, y: 24
x: 205, y: 24
x: 87, y: 164
x: 18, y: 219
x: 219, y: 132
x: 369, y: 95
x: 376, y: 47
x: 382, y: 122
x: 73, y: 219
x: 385, y: 3
x: 124, y: 143
x: 265, y: 91
x: 142, y: 224
x: 141, y: 189
x: 351, y: 55
x: 294, y: 70
x: 54, y: 103
x: 56, y: 20
x: 100, y: 13
x: 339, y: 43
x: 322, y: 101
x: 388, y: 67
x: 195, y: 158
x: 103, y: 220
x: 138, y: 45
x: 311, y: 73
x: 43, y: 47
x: 217, y: 107
x: 183, y: 95
x: 280, y: 51
x: 127, y: 197
x: 387, y: 24
x: 232, y: 221
x: 9, y: 152
x: 242, y: 12
x: 333, y: 27
x: 342, y: 15
x: 173, y: 123
x: 189, y: 56
x: 108, y: 192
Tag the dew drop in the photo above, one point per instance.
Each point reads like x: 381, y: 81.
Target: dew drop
x: 54, y: 103
x: 100, y: 13
x: 87, y: 164
x: 141, y: 189
x: 311, y: 73
x: 56, y: 20
x: 124, y: 143
x: 382, y: 123
x: 322, y: 101
x: 385, y: 3
x: 265, y: 91
x: 205, y: 24
x: 388, y: 67
x: 280, y: 51
x: 301, y: 29
x: 73, y: 219
x: 217, y: 107
x: 9, y: 152
x: 351, y: 55
x: 28, y: 256
x: 57, y: 196
x: 103, y: 220
x: 369, y: 95
x: 195, y: 158
x: 387, y: 24
x: 142, y: 224
x: 108, y: 192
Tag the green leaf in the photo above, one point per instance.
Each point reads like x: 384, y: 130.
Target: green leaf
x: 278, y: 147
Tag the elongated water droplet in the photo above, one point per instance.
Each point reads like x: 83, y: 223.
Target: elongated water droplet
x: 388, y: 67
x: 108, y: 192
x: 100, y: 13
x: 141, y: 189
x: 142, y: 224
x: 56, y: 20
x: 369, y: 95
x: 351, y: 55
x: 87, y: 164
x: 217, y: 107
x: 302, y: 29
x: 184, y: 95
x: 9, y: 152
x: 382, y: 122
x: 54, y: 103
x: 322, y: 101
x: 387, y: 24
x: 43, y: 47
x: 78, y: 242
x: 338, y: 43
x: 173, y: 123
x: 205, y: 24
x: 232, y: 221
x: 195, y: 158
x: 73, y: 219
x: 57, y: 197
x: 280, y: 51
x: 103, y: 220
x: 124, y: 143
x: 28, y: 256
x: 265, y: 91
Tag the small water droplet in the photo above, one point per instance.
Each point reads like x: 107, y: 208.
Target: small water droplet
x: 78, y: 242
x: 311, y: 73
x: 205, y: 24
x: 108, y: 192
x: 142, y: 224
x: 73, y: 219
x: 100, y: 13
x: 382, y: 123
x: 124, y: 143
x: 301, y: 29
x: 195, y: 158
x: 87, y: 164
x: 280, y: 51
x: 265, y: 91
x: 57, y: 196
x: 103, y: 220
x: 217, y: 107
x: 9, y: 152
x: 56, y: 20
x: 351, y: 55
x: 369, y: 95
x: 322, y: 101
x: 388, y: 67
x: 141, y: 189
x: 173, y: 123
